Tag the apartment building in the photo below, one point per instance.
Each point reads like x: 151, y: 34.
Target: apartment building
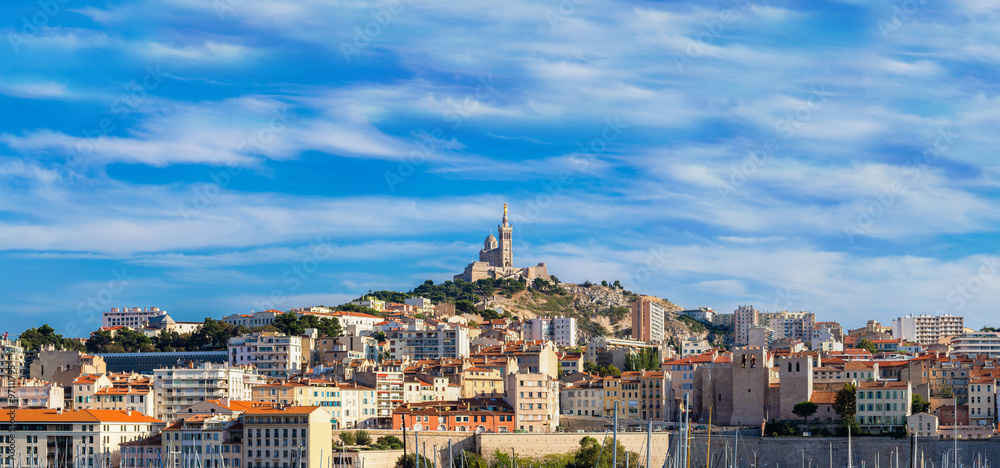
x: 197, y: 441
x: 356, y: 323
x: 744, y: 317
x: 444, y: 341
x: 135, y: 318
x: 570, y: 363
x: 423, y: 387
x: 975, y: 344
x: 253, y: 320
x: 585, y: 398
x: 55, y: 437
x: 693, y: 346
x: 644, y: 395
x: 359, y: 407
x: 561, y: 330
x: 648, y: 319
x: 883, y: 405
x: 605, y: 351
x: 466, y: 415
x: 482, y: 382
x: 11, y: 359
x: 787, y: 324
x: 387, y: 380
x: 294, y: 436
x: 982, y: 401
x: 34, y: 393
x: 927, y: 329
x: 177, y: 388
x: 274, y: 354
x: 535, y: 399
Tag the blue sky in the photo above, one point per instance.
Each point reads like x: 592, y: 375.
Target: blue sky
x: 217, y: 157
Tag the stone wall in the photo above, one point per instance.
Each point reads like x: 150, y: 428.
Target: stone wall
x: 538, y: 445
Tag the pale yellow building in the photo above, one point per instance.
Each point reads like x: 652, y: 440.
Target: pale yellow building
x: 294, y: 436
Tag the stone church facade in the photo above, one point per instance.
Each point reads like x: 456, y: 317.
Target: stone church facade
x: 496, y: 259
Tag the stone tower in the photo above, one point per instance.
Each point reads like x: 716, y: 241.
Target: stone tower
x: 506, y: 249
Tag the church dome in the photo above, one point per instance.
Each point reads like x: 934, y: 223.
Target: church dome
x: 491, y: 242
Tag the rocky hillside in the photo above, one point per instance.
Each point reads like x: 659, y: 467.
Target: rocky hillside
x: 599, y: 310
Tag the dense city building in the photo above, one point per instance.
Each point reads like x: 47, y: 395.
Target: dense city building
x: 647, y: 321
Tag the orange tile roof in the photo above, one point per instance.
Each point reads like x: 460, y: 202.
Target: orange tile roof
x: 85, y: 415
x: 286, y: 410
x: 235, y: 405
x: 823, y: 398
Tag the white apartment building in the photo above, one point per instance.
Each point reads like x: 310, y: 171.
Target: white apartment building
x: 443, y: 341
x: 356, y: 323
x: 927, y: 329
x: 84, y: 437
x: 359, y: 406
x: 11, y: 359
x: 203, y: 441
x: 370, y: 302
x: 561, y: 330
x: 744, y: 317
x: 974, y: 344
x: 694, y: 346
x: 535, y: 399
x: 786, y: 324
x: 34, y: 393
x: 178, y: 387
x: 274, y: 354
x: 255, y: 319
x: 421, y: 303
x: 135, y: 318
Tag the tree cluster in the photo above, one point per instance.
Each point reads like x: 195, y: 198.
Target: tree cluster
x: 291, y: 324
x: 33, y: 338
x: 647, y: 359
x: 609, y: 370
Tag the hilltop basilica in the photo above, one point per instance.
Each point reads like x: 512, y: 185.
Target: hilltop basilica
x: 496, y: 259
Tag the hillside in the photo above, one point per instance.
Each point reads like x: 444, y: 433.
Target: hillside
x: 599, y: 310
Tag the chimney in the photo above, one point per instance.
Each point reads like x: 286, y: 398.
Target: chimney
x: 59, y: 410
x: 128, y: 412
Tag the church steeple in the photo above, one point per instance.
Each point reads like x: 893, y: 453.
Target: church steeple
x: 506, y: 249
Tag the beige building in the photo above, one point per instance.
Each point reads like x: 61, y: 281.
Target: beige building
x: 647, y: 321
x: 982, y: 401
x: 293, y: 436
x: 585, y: 398
x: 694, y: 346
x: 535, y: 399
x: 922, y: 425
x: 62, y: 367
x: 447, y: 340
x: 482, y: 382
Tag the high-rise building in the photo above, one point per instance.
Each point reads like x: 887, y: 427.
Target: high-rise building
x: 133, y: 317
x: 274, y: 354
x: 927, y: 329
x: 744, y: 317
x: 561, y: 330
x: 11, y: 359
x: 786, y: 324
x: 180, y: 387
x: 448, y: 340
x: 647, y: 321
